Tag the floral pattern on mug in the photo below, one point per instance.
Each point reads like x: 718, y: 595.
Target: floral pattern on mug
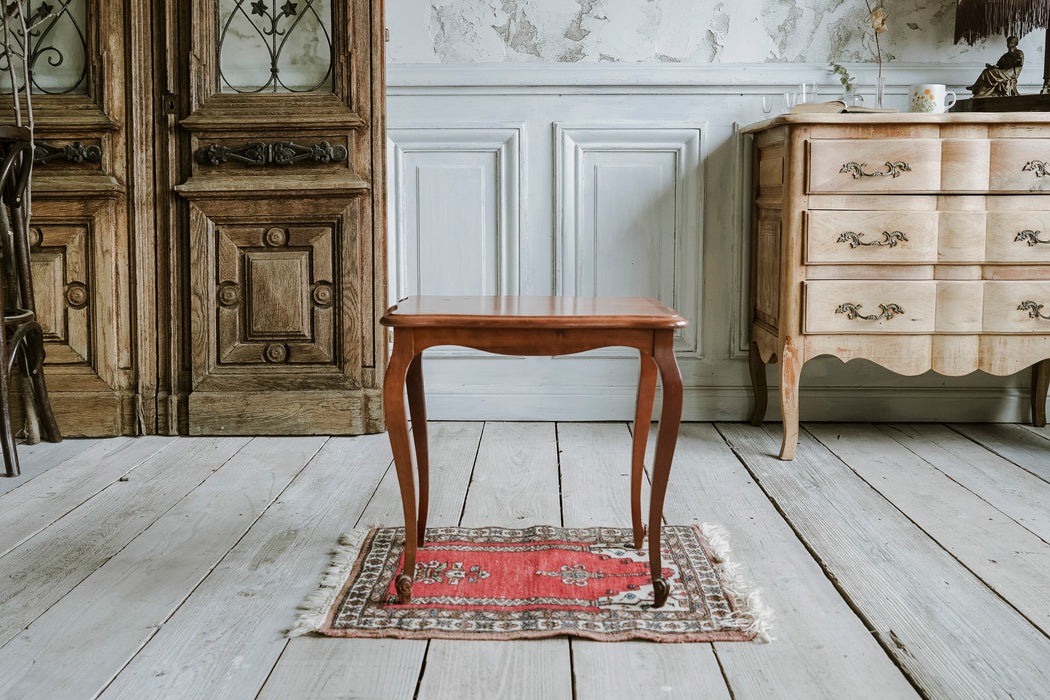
x: 923, y: 102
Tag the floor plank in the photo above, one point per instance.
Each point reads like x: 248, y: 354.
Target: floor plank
x: 993, y: 546
x: 952, y: 634
x: 225, y: 639
x: 821, y: 648
x: 385, y: 669
x: 516, y: 485
x: 94, y: 630
x: 31, y: 508
x: 1014, y: 491
x: 34, y: 460
x: 40, y: 571
x: 596, y: 490
x: 1013, y: 442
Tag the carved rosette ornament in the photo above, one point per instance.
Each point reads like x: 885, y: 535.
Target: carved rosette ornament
x: 323, y: 295
x: 276, y: 353
x: 36, y: 237
x: 77, y: 295
x: 276, y: 237
x: 229, y: 294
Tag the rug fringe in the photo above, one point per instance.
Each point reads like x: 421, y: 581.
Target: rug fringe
x: 754, y: 615
x: 314, y: 608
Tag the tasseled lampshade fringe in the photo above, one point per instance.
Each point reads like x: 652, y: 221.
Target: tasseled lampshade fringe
x: 978, y: 19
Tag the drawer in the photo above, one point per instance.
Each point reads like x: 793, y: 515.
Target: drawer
x: 1017, y: 307
x: 879, y: 237
x: 1019, y: 165
x: 1018, y: 236
x: 870, y: 306
x: 874, y: 165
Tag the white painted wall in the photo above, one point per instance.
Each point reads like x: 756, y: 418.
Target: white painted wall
x: 556, y: 147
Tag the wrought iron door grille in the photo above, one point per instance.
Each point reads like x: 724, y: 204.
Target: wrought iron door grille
x: 57, y: 47
x: 262, y: 42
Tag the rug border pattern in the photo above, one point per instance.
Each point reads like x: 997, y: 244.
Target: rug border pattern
x: 721, y: 620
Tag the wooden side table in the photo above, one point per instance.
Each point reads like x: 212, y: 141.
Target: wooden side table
x: 532, y: 326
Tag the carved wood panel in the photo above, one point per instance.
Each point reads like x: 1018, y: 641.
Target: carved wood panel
x: 285, y: 269
x: 62, y: 287
x: 274, y: 295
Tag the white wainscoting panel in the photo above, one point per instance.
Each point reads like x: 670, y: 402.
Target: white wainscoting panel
x: 629, y: 215
x: 625, y: 180
x: 455, y: 204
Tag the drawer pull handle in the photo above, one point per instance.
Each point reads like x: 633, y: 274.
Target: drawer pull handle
x: 1033, y: 309
x: 1032, y: 237
x: 893, y: 169
x: 1038, y: 167
x: 891, y: 238
x: 852, y: 312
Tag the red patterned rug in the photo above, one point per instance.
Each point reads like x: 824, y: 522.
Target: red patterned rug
x: 498, y: 583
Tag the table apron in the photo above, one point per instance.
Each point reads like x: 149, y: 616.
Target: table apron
x: 529, y: 341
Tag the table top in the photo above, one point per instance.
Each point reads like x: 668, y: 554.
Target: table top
x: 531, y: 312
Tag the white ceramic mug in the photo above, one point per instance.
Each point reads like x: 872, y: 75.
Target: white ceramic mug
x: 929, y: 97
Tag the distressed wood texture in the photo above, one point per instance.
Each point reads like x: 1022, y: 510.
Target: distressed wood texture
x: 285, y: 274
x: 389, y: 669
x: 86, y: 228
x: 44, y: 568
x: 110, y: 614
x: 951, y: 633
x: 898, y: 576
x: 173, y: 291
x: 821, y: 648
x: 596, y: 484
x: 1002, y: 552
x: 236, y: 614
x: 515, y: 484
x: 862, y: 248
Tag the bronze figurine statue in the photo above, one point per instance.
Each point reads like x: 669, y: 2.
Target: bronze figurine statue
x: 1000, y: 80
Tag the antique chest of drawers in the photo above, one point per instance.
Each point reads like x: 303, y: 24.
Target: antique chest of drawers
x: 919, y: 242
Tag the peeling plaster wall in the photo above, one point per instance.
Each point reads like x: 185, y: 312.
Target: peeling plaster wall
x: 678, y: 31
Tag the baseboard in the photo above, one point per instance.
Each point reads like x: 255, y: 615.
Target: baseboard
x: 1004, y: 405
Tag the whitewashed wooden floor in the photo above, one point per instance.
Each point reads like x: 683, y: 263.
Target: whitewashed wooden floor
x: 901, y: 560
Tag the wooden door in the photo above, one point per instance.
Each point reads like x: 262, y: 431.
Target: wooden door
x: 281, y: 213
x: 90, y: 240
x: 209, y: 219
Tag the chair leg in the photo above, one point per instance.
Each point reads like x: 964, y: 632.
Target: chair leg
x: 7, y: 436
x: 34, y: 349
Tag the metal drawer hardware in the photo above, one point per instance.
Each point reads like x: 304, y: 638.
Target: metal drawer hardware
x: 892, y: 238
x: 892, y: 169
x: 852, y: 312
x: 280, y: 153
x: 1033, y: 309
x: 1038, y: 167
x: 1032, y: 237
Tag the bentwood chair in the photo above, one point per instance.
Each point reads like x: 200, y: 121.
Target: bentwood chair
x: 23, y: 338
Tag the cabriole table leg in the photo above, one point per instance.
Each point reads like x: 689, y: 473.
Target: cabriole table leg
x: 397, y: 428
x: 643, y: 416
x: 670, y: 417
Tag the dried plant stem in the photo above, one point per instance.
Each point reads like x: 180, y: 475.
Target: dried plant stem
x: 878, y: 46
